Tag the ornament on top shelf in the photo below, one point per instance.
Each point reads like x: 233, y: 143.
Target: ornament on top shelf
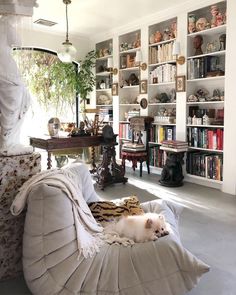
x: 158, y: 37
x: 192, y: 23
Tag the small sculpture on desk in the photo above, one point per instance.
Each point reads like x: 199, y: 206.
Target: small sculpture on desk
x: 197, y: 44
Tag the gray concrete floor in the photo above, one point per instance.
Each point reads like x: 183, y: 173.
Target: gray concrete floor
x: 207, y: 229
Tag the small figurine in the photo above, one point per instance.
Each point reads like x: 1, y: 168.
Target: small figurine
x: 214, y: 13
x: 197, y: 44
x: 191, y: 23
x: 166, y: 34
x: 152, y: 39
x: 173, y: 29
x: 219, y: 19
x: 202, y: 24
x: 222, y: 40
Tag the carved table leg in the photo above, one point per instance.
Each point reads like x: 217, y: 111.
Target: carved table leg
x: 94, y: 167
x: 49, y: 160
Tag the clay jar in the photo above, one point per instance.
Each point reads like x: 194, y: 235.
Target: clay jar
x: 158, y: 37
x: 54, y: 127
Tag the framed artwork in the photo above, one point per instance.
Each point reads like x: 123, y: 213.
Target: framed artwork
x: 114, y: 89
x: 143, y: 87
x: 180, y: 83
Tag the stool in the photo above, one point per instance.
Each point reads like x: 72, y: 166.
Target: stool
x: 136, y: 156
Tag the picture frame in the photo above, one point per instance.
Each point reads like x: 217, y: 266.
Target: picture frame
x: 180, y: 83
x: 114, y: 89
x: 143, y: 87
x: 144, y: 103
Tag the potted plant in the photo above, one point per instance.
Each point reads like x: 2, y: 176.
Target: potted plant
x: 86, y: 77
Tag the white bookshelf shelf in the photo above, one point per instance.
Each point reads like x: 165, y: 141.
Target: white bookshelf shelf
x: 162, y: 63
x: 206, y: 126
x: 161, y: 84
x: 203, y: 149
x: 205, y: 102
x: 129, y: 104
x: 203, y: 178
x: 163, y: 124
x: 162, y: 104
x: 129, y: 69
x: 207, y: 79
x: 129, y: 50
x: 210, y: 32
x: 130, y: 87
x: 215, y: 53
x: 162, y: 42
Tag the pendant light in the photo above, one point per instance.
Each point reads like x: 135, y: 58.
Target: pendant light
x: 67, y: 51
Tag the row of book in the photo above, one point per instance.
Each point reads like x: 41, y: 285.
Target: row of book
x: 157, y: 157
x: 161, y: 53
x: 159, y: 133
x: 205, y: 165
x: 163, y: 73
x: 205, y: 138
x: 125, y: 131
x: 105, y: 114
x: 201, y: 67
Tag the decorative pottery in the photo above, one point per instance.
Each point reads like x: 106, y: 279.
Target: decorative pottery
x: 54, y: 127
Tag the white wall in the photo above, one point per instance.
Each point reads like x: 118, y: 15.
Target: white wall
x: 229, y: 183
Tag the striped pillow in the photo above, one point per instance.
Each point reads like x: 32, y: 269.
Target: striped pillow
x: 106, y: 211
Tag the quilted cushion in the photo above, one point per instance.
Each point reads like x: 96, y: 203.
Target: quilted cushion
x: 106, y: 211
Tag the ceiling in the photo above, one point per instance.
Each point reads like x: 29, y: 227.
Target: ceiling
x: 87, y: 17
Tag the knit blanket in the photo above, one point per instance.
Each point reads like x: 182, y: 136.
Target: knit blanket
x: 88, y: 231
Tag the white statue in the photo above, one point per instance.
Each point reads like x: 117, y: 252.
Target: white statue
x: 14, y: 96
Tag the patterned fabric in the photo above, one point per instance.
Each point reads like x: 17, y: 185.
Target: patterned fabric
x: 14, y: 171
x: 106, y: 211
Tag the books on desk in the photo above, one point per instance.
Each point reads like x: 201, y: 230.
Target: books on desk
x: 129, y: 146
x: 174, y: 145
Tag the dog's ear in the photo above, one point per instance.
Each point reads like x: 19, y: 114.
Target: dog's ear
x: 148, y: 223
x: 162, y: 217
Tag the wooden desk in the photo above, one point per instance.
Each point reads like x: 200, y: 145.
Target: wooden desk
x: 65, y: 143
x: 107, y: 172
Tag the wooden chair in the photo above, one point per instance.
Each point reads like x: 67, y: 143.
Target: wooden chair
x: 138, y: 150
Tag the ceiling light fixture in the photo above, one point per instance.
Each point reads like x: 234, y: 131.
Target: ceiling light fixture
x: 67, y: 51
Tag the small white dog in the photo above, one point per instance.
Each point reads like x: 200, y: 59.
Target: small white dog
x: 140, y: 228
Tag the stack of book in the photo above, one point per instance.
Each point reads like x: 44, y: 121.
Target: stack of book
x: 130, y: 146
x: 174, y: 145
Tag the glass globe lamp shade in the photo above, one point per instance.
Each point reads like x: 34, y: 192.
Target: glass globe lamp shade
x: 67, y: 52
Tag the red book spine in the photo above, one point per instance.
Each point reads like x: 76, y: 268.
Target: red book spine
x: 210, y: 139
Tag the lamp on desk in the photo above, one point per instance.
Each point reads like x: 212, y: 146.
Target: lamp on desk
x: 180, y: 59
x: 138, y: 60
x: 113, y: 71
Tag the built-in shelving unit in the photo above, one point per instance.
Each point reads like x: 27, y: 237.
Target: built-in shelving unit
x: 204, y: 92
x: 206, y: 49
x: 104, y: 100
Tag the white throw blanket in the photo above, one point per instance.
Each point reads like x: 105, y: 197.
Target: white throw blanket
x: 87, y: 229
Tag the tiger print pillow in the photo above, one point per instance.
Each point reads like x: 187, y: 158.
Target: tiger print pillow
x: 106, y: 211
